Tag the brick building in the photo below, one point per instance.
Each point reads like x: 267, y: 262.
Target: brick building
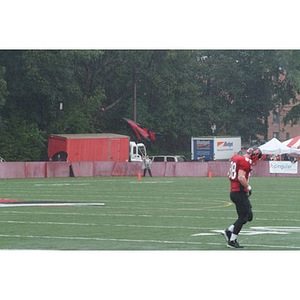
x: 277, y: 128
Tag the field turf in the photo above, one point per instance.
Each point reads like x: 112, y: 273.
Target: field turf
x: 149, y: 214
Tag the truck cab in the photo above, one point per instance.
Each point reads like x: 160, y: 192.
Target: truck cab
x: 136, y: 151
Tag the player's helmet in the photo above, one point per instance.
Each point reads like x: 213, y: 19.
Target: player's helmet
x: 255, y: 153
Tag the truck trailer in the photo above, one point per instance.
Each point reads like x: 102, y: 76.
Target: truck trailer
x: 214, y: 148
x: 94, y: 147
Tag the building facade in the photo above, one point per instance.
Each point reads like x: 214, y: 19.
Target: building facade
x: 276, y: 125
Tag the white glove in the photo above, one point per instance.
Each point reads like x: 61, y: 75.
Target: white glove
x: 249, y: 188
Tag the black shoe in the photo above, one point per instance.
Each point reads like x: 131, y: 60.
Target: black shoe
x: 227, y: 234
x: 234, y: 244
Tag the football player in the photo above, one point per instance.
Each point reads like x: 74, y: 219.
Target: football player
x: 240, y: 191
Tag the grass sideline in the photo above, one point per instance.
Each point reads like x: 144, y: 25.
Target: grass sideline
x: 165, y: 213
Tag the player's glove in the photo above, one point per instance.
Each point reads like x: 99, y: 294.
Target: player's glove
x: 249, y: 193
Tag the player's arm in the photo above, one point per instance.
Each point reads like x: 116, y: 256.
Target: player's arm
x: 242, y: 179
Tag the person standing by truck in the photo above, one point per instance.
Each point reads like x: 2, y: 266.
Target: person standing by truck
x: 240, y: 191
x: 147, y: 165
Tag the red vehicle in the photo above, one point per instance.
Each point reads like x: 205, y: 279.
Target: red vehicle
x: 88, y: 147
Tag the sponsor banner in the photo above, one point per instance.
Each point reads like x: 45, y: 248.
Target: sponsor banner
x: 225, y: 149
x: 283, y: 167
x: 224, y: 146
x: 203, y: 148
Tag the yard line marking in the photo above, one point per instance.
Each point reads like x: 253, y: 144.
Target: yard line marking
x: 138, y: 241
x: 59, y: 184
x: 272, y: 246
x: 98, y: 239
x: 263, y: 230
x: 269, y: 219
x: 18, y: 204
x: 142, y: 182
x: 155, y: 226
x: 276, y: 211
x: 107, y: 224
x: 163, y: 201
x: 109, y: 215
x: 135, y: 215
x: 279, y: 230
x: 196, y: 208
x: 29, y: 204
x: 49, y: 223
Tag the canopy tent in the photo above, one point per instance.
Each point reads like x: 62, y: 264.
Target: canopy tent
x: 275, y: 147
x: 294, y: 144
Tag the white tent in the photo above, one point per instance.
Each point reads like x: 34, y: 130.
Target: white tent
x: 275, y: 147
x: 294, y: 144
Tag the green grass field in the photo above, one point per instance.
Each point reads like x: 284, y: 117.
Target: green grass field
x: 148, y: 214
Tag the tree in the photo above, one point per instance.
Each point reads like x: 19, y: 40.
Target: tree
x: 180, y: 93
x: 3, y: 87
x: 290, y: 65
x: 241, y: 89
x: 168, y: 97
x: 21, y: 140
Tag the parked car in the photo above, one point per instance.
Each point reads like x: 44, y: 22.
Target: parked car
x: 167, y: 158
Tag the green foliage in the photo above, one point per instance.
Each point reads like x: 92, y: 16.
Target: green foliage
x: 240, y: 86
x: 290, y: 62
x: 21, y: 140
x: 180, y: 93
x: 3, y: 87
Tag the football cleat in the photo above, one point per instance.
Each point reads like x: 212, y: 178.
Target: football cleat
x: 227, y: 234
x: 234, y: 244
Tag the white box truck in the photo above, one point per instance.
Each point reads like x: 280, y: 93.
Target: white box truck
x: 214, y: 147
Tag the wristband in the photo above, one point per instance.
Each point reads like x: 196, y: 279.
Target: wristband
x: 249, y: 188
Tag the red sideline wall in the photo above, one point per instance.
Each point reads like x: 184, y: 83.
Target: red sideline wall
x: 94, y: 169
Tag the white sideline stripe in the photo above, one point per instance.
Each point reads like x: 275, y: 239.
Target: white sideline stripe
x: 99, y: 239
x: 113, y: 225
x: 112, y: 215
x: 49, y: 223
x: 156, y: 226
x: 59, y: 184
x: 146, y: 182
x: 140, y: 216
x: 12, y: 204
x: 137, y: 241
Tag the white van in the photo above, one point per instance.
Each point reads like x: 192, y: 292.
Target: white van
x: 167, y: 158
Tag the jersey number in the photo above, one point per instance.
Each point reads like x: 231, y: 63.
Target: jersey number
x: 232, y: 171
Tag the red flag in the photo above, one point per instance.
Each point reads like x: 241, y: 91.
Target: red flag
x: 140, y: 132
x: 152, y: 134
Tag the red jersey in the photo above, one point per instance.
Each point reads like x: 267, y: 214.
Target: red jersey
x: 239, y: 162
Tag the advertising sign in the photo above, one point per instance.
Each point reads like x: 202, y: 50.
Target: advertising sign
x: 225, y: 148
x: 283, y: 167
x: 203, y: 148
